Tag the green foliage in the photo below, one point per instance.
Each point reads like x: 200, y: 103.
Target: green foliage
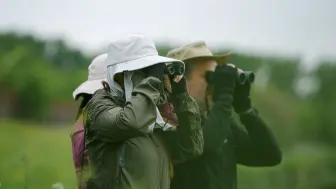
x: 34, y: 155
x: 322, y: 114
x: 38, y: 74
x: 36, y: 77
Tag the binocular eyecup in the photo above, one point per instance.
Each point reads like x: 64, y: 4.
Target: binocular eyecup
x: 174, y: 69
x: 242, y: 77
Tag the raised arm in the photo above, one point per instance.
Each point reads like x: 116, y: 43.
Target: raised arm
x: 255, y: 146
x: 110, y: 122
x: 187, y: 141
x: 217, y: 125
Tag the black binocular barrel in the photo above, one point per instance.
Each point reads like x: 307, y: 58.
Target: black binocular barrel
x: 242, y: 77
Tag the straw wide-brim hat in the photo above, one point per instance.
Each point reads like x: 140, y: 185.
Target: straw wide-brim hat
x: 196, y: 50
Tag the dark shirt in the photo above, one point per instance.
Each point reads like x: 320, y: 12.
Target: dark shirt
x: 227, y: 144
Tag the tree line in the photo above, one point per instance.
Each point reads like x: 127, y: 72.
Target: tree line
x: 35, y: 73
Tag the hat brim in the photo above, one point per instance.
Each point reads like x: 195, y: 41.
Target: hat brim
x: 140, y: 63
x: 88, y: 87
x: 218, y: 58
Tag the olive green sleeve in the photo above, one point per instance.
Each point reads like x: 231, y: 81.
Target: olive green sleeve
x: 109, y: 122
x: 187, y: 141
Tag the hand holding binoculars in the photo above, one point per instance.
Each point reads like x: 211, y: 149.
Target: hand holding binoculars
x: 242, y: 77
x: 174, y: 69
x: 177, y: 68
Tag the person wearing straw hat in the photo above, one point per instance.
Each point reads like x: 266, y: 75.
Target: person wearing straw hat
x: 130, y: 145
x: 96, y: 74
x: 226, y: 143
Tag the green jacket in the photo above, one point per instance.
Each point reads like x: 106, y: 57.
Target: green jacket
x: 227, y: 144
x: 123, y: 153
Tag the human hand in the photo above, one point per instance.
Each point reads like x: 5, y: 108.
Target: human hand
x: 242, y: 100
x: 224, y: 80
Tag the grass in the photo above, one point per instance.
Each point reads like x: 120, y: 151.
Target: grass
x: 40, y: 157
x: 35, y: 155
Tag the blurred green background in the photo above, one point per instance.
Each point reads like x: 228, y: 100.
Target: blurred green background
x: 37, y: 78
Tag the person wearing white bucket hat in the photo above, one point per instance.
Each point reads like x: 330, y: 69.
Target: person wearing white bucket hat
x: 129, y: 144
x: 96, y: 74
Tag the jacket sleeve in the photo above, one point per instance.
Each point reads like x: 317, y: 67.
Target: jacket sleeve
x: 187, y: 141
x: 217, y: 124
x: 111, y: 123
x: 255, y: 146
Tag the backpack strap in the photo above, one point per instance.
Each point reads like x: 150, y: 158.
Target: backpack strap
x: 82, y: 162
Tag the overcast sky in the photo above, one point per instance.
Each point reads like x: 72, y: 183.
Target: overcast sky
x: 307, y: 27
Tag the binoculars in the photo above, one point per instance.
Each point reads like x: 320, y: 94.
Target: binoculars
x: 242, y: 77
x: 174, y: 69
x: 245, y: 76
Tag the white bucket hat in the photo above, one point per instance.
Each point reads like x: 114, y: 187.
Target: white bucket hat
x: 97, y: 73
x: 133, y: 53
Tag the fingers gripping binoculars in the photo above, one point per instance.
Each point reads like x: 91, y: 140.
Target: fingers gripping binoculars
x: 242, y: 77
x: 174, y: 69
